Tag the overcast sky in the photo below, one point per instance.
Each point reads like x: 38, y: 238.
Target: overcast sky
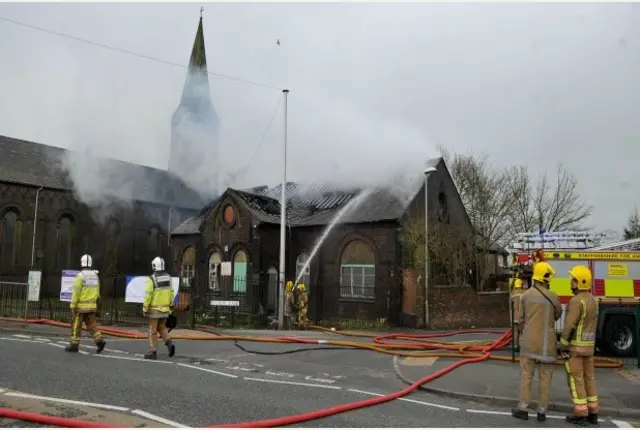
x: 372, y: 85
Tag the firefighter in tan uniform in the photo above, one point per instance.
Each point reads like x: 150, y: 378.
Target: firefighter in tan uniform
x: 84, y: 305
x: 516, y: 294
x: 578, y: 339
x: 157, y: 306
x: 539, y: 309
x: 302, y: 305
x: 288, y: 304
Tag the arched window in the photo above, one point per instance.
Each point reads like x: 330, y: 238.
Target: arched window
x: 10, y: 229
x: 357, y: 271
x: 272, y: 291
x: 240, y: 272
x: 112, y: 240
x: 188, y: 266
x: 153, y: 242
x: 306, y: 276
x: 64, y: 243
x: 214, y: 271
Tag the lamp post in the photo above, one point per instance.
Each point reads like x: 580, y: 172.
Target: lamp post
x: 427, y: 172
x: 283, y: 222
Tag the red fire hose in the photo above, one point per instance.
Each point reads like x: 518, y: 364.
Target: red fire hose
x: 503, y: 341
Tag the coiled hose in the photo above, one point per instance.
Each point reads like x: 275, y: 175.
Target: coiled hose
x: 470, y: 352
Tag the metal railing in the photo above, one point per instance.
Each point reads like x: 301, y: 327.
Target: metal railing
x: 14, y: 301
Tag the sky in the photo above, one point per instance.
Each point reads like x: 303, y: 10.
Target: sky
x: 373, y: 87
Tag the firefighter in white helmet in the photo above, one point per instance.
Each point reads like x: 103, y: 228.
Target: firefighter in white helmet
x: 84, y: 305
x: 539, y: 310
x: 157, y: 306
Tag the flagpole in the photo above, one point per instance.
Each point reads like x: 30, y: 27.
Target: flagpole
x: 283, y: 222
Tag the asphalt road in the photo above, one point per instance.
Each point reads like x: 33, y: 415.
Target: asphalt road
x: 210, y: 383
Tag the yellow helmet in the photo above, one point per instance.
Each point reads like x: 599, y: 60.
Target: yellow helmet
x: 542, y: 272
x: 517, y: 283
x: 288, y: 286
x: 582, y: 275
x: 301, y: 287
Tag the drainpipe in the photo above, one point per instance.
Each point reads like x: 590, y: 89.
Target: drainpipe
x: 35, y: 224
x: 428, y: 171
x: 169, y: 227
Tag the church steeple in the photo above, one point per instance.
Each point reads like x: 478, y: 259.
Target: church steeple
x: 195, y: 125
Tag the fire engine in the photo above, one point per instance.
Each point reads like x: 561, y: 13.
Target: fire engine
x: 616, y: 286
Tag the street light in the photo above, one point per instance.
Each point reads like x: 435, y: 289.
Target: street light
x: 427, y: 172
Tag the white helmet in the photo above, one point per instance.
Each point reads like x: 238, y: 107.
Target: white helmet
x: 86, y: 261
x: 157, y: 264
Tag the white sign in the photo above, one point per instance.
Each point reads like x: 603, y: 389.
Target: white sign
x: 66, y: 284
x: 34, y: 285
x: 136, y: 286
x: 225, y: 268
x: 225, y: 303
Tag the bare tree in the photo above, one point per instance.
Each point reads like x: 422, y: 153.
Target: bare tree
x: 632, y: 230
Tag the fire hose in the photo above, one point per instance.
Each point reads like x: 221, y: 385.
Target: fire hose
x: 470, y: 352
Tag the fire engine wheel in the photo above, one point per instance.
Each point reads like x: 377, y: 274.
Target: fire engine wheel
x: 618, y: 339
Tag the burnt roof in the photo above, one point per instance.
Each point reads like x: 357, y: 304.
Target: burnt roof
x: 35, y: 164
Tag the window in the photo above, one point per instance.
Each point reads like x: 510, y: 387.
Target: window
x: 188, y: 266
x: 110, y: 258
x: 214, y: 271
x: 240, y: 272
x: 10, y: 239
x: 272, y: 298
x: 306, y: 276
x: 64, y: 243
x: 153, y: 242
x: 357, y: 271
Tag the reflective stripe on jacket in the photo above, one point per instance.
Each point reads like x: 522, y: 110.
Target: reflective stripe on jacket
x: 158, y: 296
x: 580, y: 323
x: 86, y: 292
x: 536, y: 321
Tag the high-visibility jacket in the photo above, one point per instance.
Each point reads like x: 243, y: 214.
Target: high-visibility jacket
x: 86, y: 292
x: 580, y: 324
x: 158, y: 296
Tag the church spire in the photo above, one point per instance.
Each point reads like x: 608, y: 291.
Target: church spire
x: 196, y: 85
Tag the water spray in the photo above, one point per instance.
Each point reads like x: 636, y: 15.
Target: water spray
x: 353, y: 204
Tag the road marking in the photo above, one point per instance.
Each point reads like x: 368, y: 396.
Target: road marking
x: 72, y: 402
x: 133, y: 359
x: 287, y: 375
x: 42, y: 339
x: 435, y: 405
x: 326, y: 381
x: 207, y: 370
x: 83, y: 352
x: 332, y: 387
x: 157, y: 418
x: 244, y: 369
x: 117, y: 351
x: 476, y: 411
x: 56, y: 345
x: 622, y: 424
x: 21, y: 340
x: 24, y: 336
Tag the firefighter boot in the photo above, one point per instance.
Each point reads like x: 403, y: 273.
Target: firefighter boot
x: 520, y: 414
x: 72, y: 347
x: 593, y: 419
x: 100, y: 346
x: 151, y: 355
x: 576, y: 420
x: 542, y: 417
x: 171, y: 347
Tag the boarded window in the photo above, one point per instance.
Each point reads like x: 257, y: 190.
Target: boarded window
x: 188, y: 266
x: 64, y: 243
x: 10, y: 228
x: 306, y: 274
x: 240, y: 272
x: 214, y: 271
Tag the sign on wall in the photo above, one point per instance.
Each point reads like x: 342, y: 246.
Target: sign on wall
x: 35, y: 278
x: 225, y: 268
x: 66, y: 284
x: 136, y: 285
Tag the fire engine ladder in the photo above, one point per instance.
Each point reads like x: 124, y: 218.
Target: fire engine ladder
x: 559, y: 240
x: 625, y: 245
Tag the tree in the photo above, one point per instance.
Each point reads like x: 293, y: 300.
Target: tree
x: 632, y: 230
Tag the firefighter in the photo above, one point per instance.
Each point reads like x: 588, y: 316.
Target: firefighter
x: 288, y: 304
x: 538, y: 311
x: 578, y: 339
x: 516, y: 293
x: 157, y: 306
x: 302, y: 304
x: 84, y: 305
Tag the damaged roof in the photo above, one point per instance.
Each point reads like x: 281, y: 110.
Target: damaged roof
x: 39, y: 165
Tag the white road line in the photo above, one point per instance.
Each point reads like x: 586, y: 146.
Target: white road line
x: 72, y: 402
x: 42, y: 339
x: 292, y: 383
x: 20, y: 340
x: 133, y: 359
x: 207, y: 370
x: 117, y: 351
x: 435, y: 405
x: 476, y: 411
x: 56, y: 345
x: 24, y: 336
x: 157, y: 418
x: 83, y: 352
x: 622, y: 424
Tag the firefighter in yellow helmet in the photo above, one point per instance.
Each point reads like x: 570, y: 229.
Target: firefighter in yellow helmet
x: 516, y: 294
x: 538, y: 312
x: 302, y: 305
x: 157, y: 306
x: 578, y: 339
x: 84, y: 305
x: 288, y: 304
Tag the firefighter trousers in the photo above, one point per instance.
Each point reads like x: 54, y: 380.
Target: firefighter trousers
x: 157, y: 326
x: 545, y: 372
x: 582, y: 385
x: 89, y: 318
x: 302, y: 318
